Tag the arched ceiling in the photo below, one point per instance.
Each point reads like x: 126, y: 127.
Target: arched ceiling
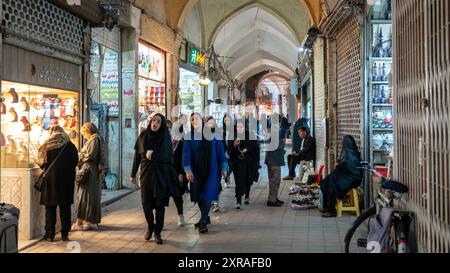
x: 253, y: 35
x: 255, y: 39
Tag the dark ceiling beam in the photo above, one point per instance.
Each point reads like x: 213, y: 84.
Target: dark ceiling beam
x: 89, y: 10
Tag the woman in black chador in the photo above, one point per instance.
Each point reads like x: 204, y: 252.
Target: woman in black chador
x: 345, y: 177
x: 244, y: 156
x: 154, y: 156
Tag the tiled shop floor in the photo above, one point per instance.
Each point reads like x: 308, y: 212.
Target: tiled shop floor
x: 257, y: 228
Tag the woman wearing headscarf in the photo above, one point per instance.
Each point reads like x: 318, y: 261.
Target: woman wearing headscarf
x: 345, y: 177
x: 244, y: 156
x: 154, y: 157
x: 227, y: 137
x: 60, y: 180
x: 177, y: 145
x: 203, y: 160
x: 89, y: 197
x: 212, y: 126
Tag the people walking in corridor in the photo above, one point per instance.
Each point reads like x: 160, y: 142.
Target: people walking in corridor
x: 228, y: 130
x: 203, y: 160
x: 244, y: 156
x: 58, y: 157
x: 154, y: 156
x: 274, y: 161
x: 307, y: 152
x: 345, y: 177
x: 91, y: 158
x: 177, y: 145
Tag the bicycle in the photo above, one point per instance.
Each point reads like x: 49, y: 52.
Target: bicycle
x: 401, y: 232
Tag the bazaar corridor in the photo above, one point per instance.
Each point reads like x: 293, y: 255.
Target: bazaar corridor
x: 254, y: 229
x: 121, y: 122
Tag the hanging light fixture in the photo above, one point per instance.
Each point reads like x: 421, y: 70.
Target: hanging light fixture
x: 204, y: 80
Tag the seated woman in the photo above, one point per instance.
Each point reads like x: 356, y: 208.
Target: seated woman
x: 345, y: 177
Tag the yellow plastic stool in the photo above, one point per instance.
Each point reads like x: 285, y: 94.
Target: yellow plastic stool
x: 350, y: 203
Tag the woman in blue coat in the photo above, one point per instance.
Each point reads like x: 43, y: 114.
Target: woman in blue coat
x: 204, y: 161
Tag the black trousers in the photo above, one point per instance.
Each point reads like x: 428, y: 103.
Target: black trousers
x: 293, y: 161
x: 329, y: 201
x: 178, y: 200
x: 155, y: 221
x: 50, y: 220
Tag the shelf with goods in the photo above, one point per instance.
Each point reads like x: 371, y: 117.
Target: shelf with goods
x: 379, y: 82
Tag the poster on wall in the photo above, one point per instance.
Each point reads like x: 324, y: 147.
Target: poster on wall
x: 151, y: 63
x: 109, y: 83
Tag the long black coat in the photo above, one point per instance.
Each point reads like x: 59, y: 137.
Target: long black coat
x: 347, y: 174
x: 158, y: 177
x: 60, y: 186
x: 246, y: 170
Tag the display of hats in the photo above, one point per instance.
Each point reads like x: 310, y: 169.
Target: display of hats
x: 13, y: 115
x: 73, y: 134
x: 15, y: 96
x: 25, y: 104
x: 26, y: 124
x: 3, y: 143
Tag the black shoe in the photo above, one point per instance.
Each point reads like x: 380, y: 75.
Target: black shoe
x: 274, y: 204
x: 208, y: 222
x: 65, y: 237
x: 288, y: 178
x: 247, y: 201
x: 49, y: 239
x: 323, y: 211
x: 279, y: 201
x: 329, y: 215
x: 158, y: 239
x: 148, y: 235
x: 203, y: 228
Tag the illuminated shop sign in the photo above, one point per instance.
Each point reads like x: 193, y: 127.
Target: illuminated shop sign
x: 196, y: 56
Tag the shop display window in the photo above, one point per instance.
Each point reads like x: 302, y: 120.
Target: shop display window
x: 27, y: 113
x: 152, y: 97
x: 380, y: 88
x: 190, y: 92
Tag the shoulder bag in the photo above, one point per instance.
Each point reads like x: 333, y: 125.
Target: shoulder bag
x: 40, y: 183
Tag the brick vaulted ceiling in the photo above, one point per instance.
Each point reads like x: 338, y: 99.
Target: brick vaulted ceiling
x: 252, y: 35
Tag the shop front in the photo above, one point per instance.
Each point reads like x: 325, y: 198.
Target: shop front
x: 379, y: 55
x: 37, y: 92
x: 105, y: 106
x: 192, y: 64
x: 152, y: 81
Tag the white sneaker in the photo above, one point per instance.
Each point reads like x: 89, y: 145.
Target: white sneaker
x: 90, y: 227
x: 181, y: 221
x: 238, y: 207
x: 216, y: 207
x: 76, y: 227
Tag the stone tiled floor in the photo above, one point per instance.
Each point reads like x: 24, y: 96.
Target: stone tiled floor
x: 256, y: 228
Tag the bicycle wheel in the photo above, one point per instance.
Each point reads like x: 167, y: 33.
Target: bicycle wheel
x: 356, y: 237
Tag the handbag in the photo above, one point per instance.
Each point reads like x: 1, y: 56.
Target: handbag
x: 40, y: 183
x: 82, y: 175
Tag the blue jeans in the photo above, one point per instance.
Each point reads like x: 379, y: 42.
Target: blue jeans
x: 205, y: 207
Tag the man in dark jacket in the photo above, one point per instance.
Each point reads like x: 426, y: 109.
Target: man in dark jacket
x: 274, y: 161
x: 60, y: 180
x: 307, y: 152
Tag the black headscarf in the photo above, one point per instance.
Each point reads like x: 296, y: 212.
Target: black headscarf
x: 350, y: 159
x: 205, y: 157
x: 150, y: 140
